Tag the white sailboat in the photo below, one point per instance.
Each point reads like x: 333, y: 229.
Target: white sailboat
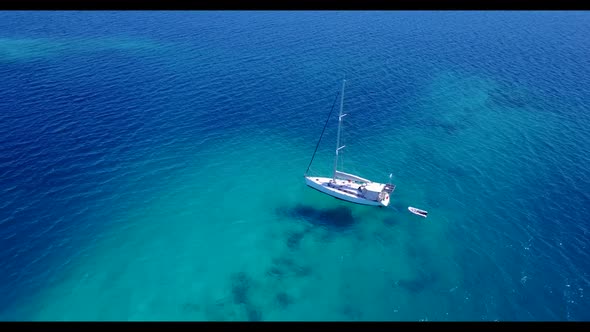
x: 350, y: 187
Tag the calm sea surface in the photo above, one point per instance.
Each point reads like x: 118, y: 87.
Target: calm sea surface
x: 151, y: 165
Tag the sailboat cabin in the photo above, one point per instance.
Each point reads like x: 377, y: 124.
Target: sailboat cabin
x: 372, y: 190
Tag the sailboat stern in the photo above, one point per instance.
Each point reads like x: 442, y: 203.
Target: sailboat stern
x: 385, y: 194
x: 377, y: 192
x: 385, y: 200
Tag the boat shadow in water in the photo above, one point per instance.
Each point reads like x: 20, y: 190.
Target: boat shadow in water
x: 338, y: 218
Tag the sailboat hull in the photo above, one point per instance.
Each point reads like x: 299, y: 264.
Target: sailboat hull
x: 342, y: 189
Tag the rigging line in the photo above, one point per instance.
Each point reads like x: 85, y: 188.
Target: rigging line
x: 325, y: 125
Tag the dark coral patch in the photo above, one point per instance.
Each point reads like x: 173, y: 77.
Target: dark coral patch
x: 286, y: 266
x: 283, y: 299
x: 191, y: 307
x: 254, y: 314
x: 240, y: 287
x: 351, y: 312
x: 418, y: 284
x: 294, y: 239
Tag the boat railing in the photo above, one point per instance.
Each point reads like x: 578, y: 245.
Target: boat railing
x: 389, y: 188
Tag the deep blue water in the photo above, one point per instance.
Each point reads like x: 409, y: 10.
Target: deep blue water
x: 151, y: 162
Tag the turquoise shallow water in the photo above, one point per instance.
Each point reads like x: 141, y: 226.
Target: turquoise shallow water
x: 152, y: 165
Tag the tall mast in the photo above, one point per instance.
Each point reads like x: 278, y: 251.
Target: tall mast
x: 340, y: 116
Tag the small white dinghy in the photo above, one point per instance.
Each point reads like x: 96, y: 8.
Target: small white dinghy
x: 417, y: 211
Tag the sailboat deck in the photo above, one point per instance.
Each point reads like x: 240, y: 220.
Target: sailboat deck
x: 344, y: 187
